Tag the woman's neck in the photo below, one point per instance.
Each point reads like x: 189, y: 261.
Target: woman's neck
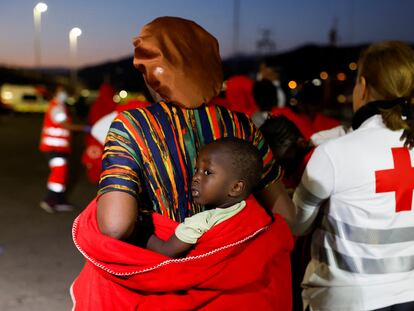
x: 372, y: 108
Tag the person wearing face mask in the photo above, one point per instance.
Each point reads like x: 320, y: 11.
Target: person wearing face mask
x: 55, y: 144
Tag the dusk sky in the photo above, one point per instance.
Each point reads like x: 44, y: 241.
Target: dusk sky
x: 108, y: 26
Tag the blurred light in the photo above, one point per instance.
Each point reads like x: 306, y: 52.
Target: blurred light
x: 41, y: 7
x: 116, y: 98
x: 316, y: 82
x: 341, y: 98
x: 75, y: 32
x: 293, y: 101
x: 71, y: 101
x: 85, y: 93
x: 353, y: 66
x: 7, y: 95
x: 323, y: 75
x: 341, y: 76
x: 123, y: 94
x: 292, y: 84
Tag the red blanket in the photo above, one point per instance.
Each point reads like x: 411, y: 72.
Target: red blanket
x: 241, y: 264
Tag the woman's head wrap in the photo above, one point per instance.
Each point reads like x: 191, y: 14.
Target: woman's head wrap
x: 179, y: 60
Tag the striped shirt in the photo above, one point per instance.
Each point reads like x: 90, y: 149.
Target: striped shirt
x: 150, y: 153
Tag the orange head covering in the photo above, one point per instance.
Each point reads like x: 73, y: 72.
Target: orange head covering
x: 179, y: 60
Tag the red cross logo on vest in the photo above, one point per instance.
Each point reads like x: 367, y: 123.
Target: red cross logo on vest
x: 400, y: 179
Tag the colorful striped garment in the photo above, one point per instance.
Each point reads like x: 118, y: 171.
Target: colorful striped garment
x: 150, y: 153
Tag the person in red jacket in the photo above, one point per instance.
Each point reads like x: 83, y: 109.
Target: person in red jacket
x: 309, y: 107
x: 239, y: 94
x: 91, y: 157
x: 307, y: 114
x: 55, y: 143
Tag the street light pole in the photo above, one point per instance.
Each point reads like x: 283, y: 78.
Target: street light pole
x: 236, y: 26
x: 74, y: 33
x: 37, y: 18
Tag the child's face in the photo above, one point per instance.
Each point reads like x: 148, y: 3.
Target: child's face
x: 212, y: 180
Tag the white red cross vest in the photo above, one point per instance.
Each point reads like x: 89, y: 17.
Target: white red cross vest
x: 361, y: 185
x: 54, y: 137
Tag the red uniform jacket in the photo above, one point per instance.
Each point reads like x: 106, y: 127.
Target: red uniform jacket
x: 54, y: 137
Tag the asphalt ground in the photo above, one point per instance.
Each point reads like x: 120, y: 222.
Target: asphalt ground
x: 38, y: 260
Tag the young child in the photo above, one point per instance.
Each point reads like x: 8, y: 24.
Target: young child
x: 226, y: 172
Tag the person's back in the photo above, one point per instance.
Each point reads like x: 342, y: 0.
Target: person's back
x: 103, y: 104
x: 92, y: 154
x: 363, y: 222
x: 174, y: 132
x: 239, y: 94
x: 361, y: 186
x: 147, y: 169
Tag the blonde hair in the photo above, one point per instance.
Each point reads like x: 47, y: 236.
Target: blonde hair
x: 388, y: 68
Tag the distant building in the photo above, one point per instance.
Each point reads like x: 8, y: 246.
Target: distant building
x: 333, y: 34
x: 265, y: 45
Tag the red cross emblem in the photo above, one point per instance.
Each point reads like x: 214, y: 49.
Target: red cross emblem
x: 400, y: 179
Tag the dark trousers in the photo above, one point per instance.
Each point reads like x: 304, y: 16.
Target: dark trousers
x: 407, y: 306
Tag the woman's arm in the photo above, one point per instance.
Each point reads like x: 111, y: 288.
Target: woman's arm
x: 316, y: 186
x: 118, y: 210
x: 276, y: 199
x: 117, y: 214
x: 272, y: 194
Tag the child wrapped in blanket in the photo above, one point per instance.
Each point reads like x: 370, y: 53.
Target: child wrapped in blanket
x: 226, y: 172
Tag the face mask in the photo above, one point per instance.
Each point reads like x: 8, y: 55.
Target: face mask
x: 62, y: 96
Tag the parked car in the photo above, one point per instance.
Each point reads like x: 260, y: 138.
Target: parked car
x: 23, y: 98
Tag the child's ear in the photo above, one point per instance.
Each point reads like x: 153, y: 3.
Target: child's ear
x: 238, y: 188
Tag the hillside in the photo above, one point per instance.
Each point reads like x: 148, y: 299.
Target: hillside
x: 301, y: 63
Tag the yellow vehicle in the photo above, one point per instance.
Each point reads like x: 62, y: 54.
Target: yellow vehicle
x: 22, y: 98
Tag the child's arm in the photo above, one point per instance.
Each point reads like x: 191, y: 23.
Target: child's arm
x: 185, y: 236
x: 173, y: 247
